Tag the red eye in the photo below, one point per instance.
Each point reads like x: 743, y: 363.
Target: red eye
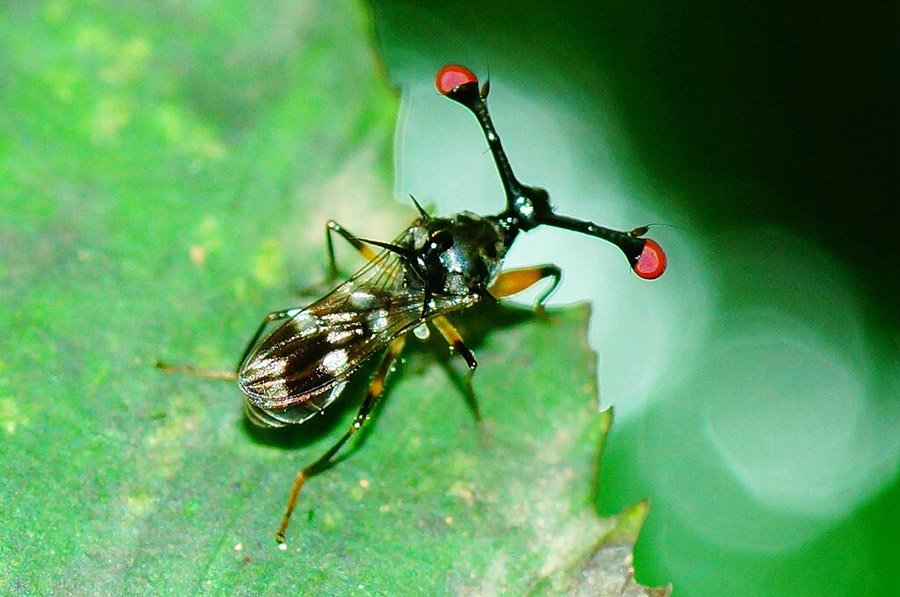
x: 452, y: 76
x: 652, y: 262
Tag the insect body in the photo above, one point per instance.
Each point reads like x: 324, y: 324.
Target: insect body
x: 438, y: 265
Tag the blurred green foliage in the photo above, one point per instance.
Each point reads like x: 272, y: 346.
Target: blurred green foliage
x: 766, y: 135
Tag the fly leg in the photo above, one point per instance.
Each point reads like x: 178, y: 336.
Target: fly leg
x: 333, y: 227
x: 195, y: 371
x: 451, y: 335
x: 273, y: 316
x: 325, y: 461
x: 228, y: 375
x: 514, y: 281
x: 507, y: 283
x: 333, y: 273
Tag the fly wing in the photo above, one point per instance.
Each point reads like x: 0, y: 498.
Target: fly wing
x: 303, y: 364
x: 322, y: 346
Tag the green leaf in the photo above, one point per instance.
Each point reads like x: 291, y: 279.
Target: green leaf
x: 165, y: 175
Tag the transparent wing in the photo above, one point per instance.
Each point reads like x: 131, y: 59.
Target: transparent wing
x: 303, y: 364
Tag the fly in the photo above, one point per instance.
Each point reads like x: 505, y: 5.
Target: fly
x: 437, y: 266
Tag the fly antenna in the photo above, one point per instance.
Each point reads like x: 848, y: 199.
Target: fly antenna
x: 425, y: 215
x: 401, y: 251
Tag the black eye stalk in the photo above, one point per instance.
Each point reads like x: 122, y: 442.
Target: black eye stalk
x: 528, y: 207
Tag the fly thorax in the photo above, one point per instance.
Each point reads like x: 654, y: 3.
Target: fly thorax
x: 473, y: 259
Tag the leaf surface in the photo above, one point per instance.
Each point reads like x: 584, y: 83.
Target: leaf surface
x: 165, y: 175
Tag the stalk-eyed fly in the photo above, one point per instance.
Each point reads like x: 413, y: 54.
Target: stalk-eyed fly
x: 436, y: 266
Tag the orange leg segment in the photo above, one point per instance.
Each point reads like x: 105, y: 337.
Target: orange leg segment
x: 374, y: 393
x: 453, y: 338
x: 334, y: 227
x: 514, y: 281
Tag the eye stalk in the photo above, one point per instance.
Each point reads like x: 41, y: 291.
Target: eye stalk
x: 528, y: 207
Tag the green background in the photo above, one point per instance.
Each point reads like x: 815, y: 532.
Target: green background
x: 165, y: 174
x: 767, y: 134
